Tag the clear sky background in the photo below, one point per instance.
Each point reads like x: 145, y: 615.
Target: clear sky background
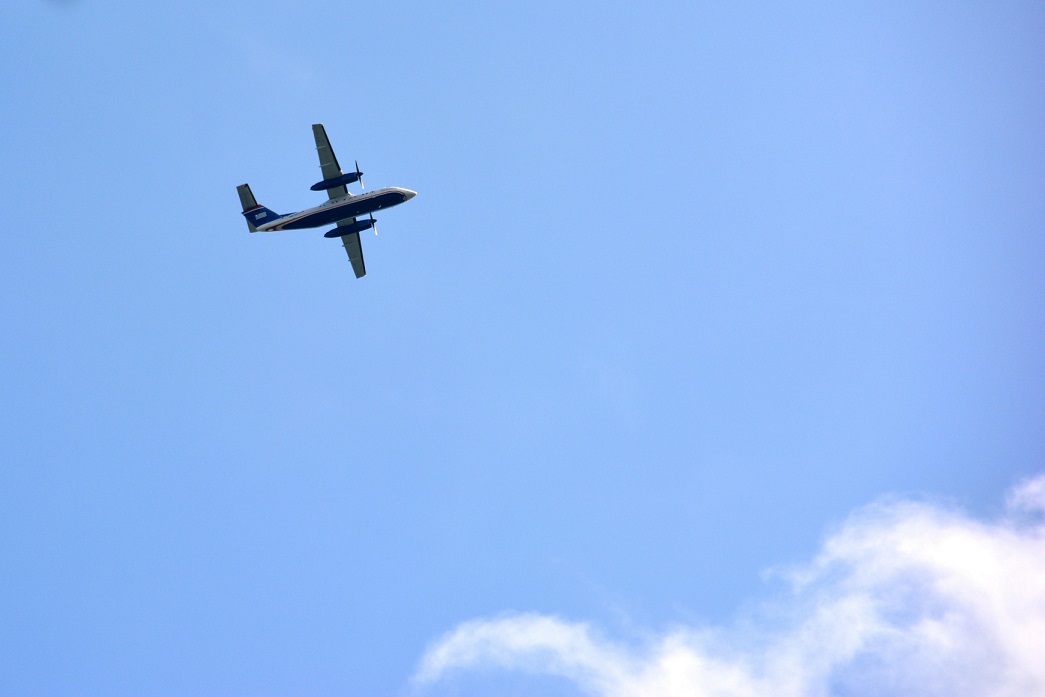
x: 684, y: 285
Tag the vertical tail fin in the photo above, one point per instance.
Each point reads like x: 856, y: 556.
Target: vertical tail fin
x: 252, y: 212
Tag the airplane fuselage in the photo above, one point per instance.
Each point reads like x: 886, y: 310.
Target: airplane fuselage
x: 336, y: 209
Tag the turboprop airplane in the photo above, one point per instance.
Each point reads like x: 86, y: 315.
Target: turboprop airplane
x: 341, y: 207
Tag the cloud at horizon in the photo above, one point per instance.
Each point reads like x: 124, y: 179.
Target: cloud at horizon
x: 904, y: 598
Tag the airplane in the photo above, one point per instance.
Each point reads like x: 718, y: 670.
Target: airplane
x: 341, y: 207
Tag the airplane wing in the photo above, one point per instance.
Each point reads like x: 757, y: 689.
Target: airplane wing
x: 353, y: 247
x: 328, y: 163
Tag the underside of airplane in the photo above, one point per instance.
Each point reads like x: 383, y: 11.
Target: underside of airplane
x: 342, y: 208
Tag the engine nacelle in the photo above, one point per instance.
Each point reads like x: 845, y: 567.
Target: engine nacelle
x: 357, y: 226
x: 337, y: 181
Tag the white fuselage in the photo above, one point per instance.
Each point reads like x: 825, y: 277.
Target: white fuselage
x: 337, y: 209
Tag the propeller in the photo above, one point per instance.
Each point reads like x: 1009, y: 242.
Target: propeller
x: 360, y: 175
x: 373, y: 224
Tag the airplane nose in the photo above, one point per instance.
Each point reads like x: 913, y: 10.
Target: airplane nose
x: 409, y: 194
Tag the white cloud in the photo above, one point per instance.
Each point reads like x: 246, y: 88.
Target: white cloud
x: 905, y: 599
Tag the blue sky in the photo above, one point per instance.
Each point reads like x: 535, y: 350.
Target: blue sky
x: 683, y: 288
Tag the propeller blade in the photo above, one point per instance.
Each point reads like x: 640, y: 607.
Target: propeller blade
x: 373, y: 224
x: 360, y: 176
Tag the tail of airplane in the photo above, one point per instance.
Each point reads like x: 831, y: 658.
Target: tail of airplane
x: 252, y: 212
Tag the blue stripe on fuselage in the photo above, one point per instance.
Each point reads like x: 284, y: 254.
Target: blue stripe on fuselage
x: 351, y: 208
